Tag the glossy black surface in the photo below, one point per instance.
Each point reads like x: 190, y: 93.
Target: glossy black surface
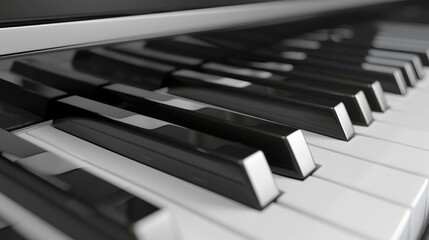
x: 348, y: 97
x: 310, y: 113
x: 114, y: 203
x: 269, y: 137
x: 363, y: 40
x: 338, y: 47
x: 208, y: 49
x: 207, y: 161
x: 188, y: 47
x: 51, y: 204
x: 74, y: 184
x: 348, y: 59
x: 389, y: 81
x: 10, y: 234
x: 18, y: 12
x: 28, y: 94
x: 314, y: 79
x: 284, y: 161
x: 240, y: 39
x: 124, y: 68
x: 61, y: 77
x: 13, y: 117
x: 159, y: 56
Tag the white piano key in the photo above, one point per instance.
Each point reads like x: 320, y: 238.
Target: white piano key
x: 379, y: 181
x: 415, y: 95
x: 396, y: 103
x: 416, y: 99
x: 346, y: 208
x: 389, y: 154
x: 394, y: 133
x: 273, y: 222
x: 404, y: 119
x: 423, y: 84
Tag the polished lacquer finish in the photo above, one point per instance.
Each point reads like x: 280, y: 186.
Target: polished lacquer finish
x: 231, y: 169
x: 315, y: 114
x: 283, y: 146
x: 46, y: 185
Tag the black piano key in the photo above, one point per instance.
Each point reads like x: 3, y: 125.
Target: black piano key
x: 367, y: 52
x: 108, y: 209
x: 355, y: 101
x: 13, y: 117
x: 372, y: 89
x: 226, y: 43
x: 29, y: 192
x: 390, y: 78
x: 413, y: 58
x: 403, y: 30
x: 238, y: 40
x: 159, y: 56
x: 44, y: 200
x: 123, y: 68
x: 246, y: 36
x: 117, y: 205
x: 392, y: 31
x: 27, y: 94
x: 402, y: 40
x: 361, y: 51
x: 63, y: 73
x: 314, y: 114
x: 10, y: 234
x: 367, y: 41
x: 62, y: 77
x: 312, y: 49
x: 405, y: 67
x: 188, y: 46
x: 213, y: 163
x: 283, y: 146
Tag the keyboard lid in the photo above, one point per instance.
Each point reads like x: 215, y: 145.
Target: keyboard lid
x: 27, y: 26
x: 23, y: 12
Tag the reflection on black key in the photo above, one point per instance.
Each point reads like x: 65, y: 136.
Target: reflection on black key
x: 81, y: 198
x: 414, y: 58
x: 390, y: 78
x: 361, y: 51
x: 372, y: 89
x: 355, y: 101
x: 45, y: 200
x: 284, y: 147
x: 233, y: 170
x: 27, y: 94
x: 363, y: 40
x: 159, y: 56
x: 245, y: 37
x: 13, y: 117
x: 405, y: 67
x: 314, y: 114
x: 61, y: 77
x: 124, y: 68
x: 188, y: 46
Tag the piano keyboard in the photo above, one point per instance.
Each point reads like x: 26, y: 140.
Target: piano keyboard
x: 239, y: 134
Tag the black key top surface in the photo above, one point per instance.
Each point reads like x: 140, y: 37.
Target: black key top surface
x: 120, y: 67
x: 283, y: 146
x: 214, y: 163
x: 313, y: 114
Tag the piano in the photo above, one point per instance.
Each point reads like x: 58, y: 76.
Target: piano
x: 243, y: 119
